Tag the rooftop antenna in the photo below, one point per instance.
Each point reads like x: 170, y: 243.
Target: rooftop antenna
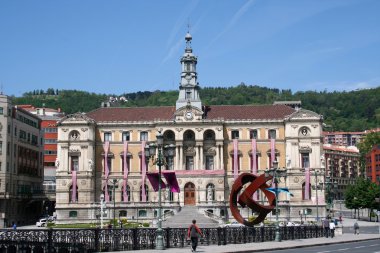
x: 1, y: 88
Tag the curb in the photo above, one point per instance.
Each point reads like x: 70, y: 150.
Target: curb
x: 300, y: 246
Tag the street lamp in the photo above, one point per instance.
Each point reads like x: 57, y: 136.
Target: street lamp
x: 150, y: 151
x: 330, y: 186
x: 114, y: 182
x: 276, y: 173
x: 102, y: 206
x: 317, y: 187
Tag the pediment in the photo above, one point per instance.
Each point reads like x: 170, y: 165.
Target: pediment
x: 76, y: 118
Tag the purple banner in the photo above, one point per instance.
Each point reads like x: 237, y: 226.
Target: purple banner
x: 153, y: 178
x: 171, y: 180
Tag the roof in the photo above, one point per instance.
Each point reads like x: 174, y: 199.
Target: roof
x: 350, y: 149
x: 260, y: 112
x: 228, y: 112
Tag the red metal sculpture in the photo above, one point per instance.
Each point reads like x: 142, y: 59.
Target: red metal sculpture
x: 246, y: 197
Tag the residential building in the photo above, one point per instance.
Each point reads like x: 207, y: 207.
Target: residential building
x: 102, y: 152
x: 49, y: 118
x: 373, y: 164
x: 343, y: 167
x: 21, y: 165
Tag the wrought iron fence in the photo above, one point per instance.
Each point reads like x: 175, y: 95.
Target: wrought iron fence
x: 97, y: 240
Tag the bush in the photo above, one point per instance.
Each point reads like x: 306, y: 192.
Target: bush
x: 145, y: 224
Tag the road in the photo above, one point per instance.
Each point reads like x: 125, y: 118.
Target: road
x: 371, y: 246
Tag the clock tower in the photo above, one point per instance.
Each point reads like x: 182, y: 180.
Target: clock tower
x: 189, y: 87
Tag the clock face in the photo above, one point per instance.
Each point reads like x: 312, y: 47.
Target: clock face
x: 189, y: 115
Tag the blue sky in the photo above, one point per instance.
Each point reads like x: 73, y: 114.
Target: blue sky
x: 121, y: 46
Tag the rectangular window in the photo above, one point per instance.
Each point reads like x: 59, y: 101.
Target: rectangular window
x: 1, y: 147
x: 1, y: 110
x: 170, y: 163
x: 50, y: 141
x: 74, y: 163
x: 15, y: 131
x: 107, y: 137
x: 235, y: 134
x: 305, y: 160
x: 8, y: 148
x: 272, y: 134
x: 189, y: 163
x: 144, y: 136
x: 253, y: 134
x: 109, y: 163
x: 126, y: 136
x: 209, y: 162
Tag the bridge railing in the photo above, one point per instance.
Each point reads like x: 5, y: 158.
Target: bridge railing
x: 97, y: 240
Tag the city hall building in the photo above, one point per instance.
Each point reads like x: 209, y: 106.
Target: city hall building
x: 102, y: 152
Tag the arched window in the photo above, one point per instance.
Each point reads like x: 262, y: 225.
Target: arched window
x: 303, y: 190
x: 146, y: 193
x: 169, y: 136
x: 209, y: 135
x: 128, y: 190
x: 71, y: 194
x: 189, y: 135
x: 74, y: 135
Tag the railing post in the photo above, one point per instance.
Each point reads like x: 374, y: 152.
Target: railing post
x: 244, y: 234
x: 135, y: 240
x: 262, y: 232
x: 219, y: 231
x: 97, y: 239
x: 167, y: 237
x: 50, y: 240
x: 225, y: 236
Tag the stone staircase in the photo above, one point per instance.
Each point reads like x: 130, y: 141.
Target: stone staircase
x: 188, y: 213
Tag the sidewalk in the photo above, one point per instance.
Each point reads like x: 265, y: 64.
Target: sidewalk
x: 267, y: 246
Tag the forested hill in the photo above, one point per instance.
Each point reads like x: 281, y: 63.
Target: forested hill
x: 343, y: 111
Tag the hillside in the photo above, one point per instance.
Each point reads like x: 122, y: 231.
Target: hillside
x: 342, y: 111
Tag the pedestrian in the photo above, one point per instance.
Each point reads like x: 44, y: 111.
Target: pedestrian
x: 326, y: 227
x: 332, y: 228
x: 356, y: 228
x: 193, y: 233
x: 14, y: 226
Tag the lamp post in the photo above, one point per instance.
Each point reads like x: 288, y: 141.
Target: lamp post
x: 317, y: 187
x: 277, y: 174
x: 114, y: 186
x: 330, y: 186
x: 150, y: 151
x: 102, y: 205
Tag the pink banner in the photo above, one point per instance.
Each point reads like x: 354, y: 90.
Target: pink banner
x: 307, y: 183
x: 235, y: 165
x: 74, y: 186
x: 254, y: 163
x: 143, y: 171
x: 126, y: 170
x: 272, y: 151
x: 106, y: 147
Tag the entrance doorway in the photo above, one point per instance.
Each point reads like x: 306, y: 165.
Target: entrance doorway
x: 190, y: 194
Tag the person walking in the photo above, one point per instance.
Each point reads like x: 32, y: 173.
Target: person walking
x: 193, y: 233
x: 356, y: 228
x: 326, y: 227
x: 332, y: 228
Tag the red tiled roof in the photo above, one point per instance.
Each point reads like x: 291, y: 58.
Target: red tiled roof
x: 132, y: 113
x: 228, y: 112
x: 249, y: 111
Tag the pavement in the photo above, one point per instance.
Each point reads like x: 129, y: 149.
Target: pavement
x: 268, y: 246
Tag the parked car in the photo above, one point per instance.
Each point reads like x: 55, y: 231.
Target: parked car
x: 233, y: 224
x: 51, y: 219
x: 41, y: 222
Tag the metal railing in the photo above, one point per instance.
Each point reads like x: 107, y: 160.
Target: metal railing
x: 97, y: 240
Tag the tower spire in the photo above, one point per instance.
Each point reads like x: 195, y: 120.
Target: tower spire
x: 189, y: 88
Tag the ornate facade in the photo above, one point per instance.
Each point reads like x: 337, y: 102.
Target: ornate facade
x: 103, y: 152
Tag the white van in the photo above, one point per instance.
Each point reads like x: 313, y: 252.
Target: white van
x: 41, y: 222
